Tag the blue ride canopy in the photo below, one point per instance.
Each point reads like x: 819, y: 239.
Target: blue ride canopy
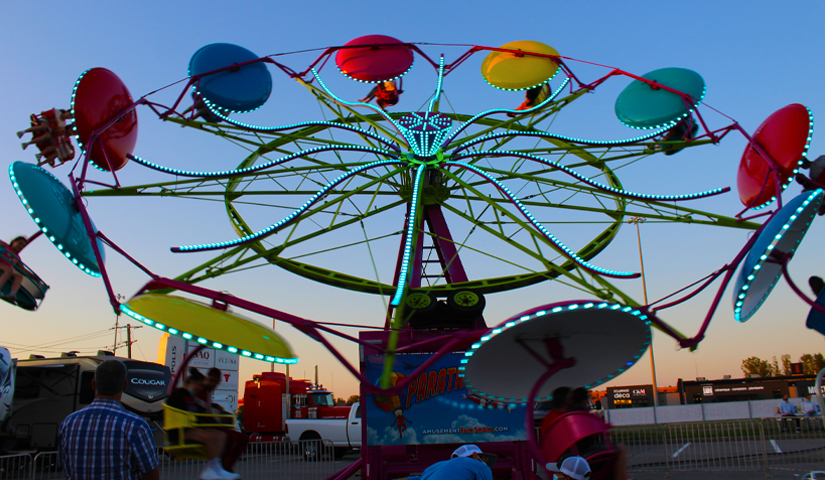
x: 642, y: 106
x: 783, y: 234
x: 52, y: 207
x: 238, y: 90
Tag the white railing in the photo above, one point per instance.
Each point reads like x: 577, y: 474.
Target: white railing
x: 733, y: 445
x: 757, y: 445
x: 311, y: 460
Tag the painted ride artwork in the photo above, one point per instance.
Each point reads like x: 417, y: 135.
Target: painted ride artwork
x: 435, y: 211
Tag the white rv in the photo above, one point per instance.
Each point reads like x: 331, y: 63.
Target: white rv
x: 46, y: 390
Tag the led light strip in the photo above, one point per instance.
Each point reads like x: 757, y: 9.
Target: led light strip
x: 561, y: 137
x: 799, y: 163
x: 582, y: 178
x: 80, y: 147
x: 558, y: 69
x: 353, y: 104
x: 423, y: 144
x: 541, y: 313
x: 743, y: 291
x: 204, y: 341
x: 263, y: 166
x: 437, y: 93
x: 43, y: 228
x: 506, y: 110
x: 291, y: 217
x: 342, y: 126
x: 210, y: 105
x: 378, y: 81
x: 562, y: 247
x: 71, y: 107
x: 672, y: 123
x: 408, y: 246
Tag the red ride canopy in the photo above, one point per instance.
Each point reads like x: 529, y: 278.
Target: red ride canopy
x: 378, y: 61
x: 785, y: 136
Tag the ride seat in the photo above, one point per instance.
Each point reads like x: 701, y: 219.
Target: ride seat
x: 583, y: 434
x: 32, y: 289
x: 177, y: 421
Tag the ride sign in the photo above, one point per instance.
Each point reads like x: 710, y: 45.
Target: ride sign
x: 435, y: 407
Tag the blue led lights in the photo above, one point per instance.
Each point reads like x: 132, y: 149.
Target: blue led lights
x: 203, y: 341
x: 425, y: 132
x: 412, y: 222
x: 672, y: 123
x: 506, y: 110
x: 582, y: 178
x: 290, y: 218
x: 257, y: 128
x: 375, y: 81
x: 352, y: 104
x: 437, y: 93
x: 43, y: 228
x: 71, y: 107
x: 582, y: 141
x: 562, y: 247
x: 791, y: 178
x: 581, y: 305
x: 263, y: 166
x: 783, y: 232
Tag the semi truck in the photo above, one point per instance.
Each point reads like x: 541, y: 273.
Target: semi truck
x: 276, y: 407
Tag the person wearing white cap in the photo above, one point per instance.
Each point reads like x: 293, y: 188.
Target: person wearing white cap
x: 575, y: 468
x: 467, y: 462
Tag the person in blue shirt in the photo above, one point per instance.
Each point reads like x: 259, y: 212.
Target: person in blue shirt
x: 467, y: 462
x: 104, y: 440
x: 787, y: 409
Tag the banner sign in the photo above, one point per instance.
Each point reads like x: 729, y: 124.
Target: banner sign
x: 435, y: 407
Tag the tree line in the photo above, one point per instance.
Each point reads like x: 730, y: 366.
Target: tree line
x: 811, y: 365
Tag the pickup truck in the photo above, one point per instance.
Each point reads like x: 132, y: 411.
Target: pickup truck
x: 344, y: 433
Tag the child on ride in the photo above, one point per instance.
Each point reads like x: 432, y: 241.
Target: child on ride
x: 8, y: 259
x: 386, y: 92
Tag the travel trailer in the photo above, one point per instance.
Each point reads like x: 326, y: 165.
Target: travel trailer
x: 46, y: 390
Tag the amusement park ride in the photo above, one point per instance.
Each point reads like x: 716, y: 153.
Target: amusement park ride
x: 442, y: 186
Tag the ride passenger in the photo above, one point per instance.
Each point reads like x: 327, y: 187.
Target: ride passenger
x: 386, y: 94
x: 187, y: 398
x: 8, y: 260
x: 684, y: 131
x: 560, y: 404
x: 51, y: 135
x: 532, y: 97
x: 236, y: 441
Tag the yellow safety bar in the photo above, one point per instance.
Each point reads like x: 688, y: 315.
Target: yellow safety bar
x: 177, y: 421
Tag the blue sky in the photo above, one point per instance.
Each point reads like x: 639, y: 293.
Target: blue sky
x: 755, y: 57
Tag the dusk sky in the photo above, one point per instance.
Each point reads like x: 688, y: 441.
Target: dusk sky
x: 755, y: 57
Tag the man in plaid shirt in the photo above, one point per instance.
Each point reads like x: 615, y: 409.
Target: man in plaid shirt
x: 104, y: 441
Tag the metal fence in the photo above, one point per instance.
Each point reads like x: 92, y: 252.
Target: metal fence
x: 311, y: 460
x: 733, y: 445
x: 757, y: 445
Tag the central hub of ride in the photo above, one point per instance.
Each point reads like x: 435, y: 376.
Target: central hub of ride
x: 425, y: 133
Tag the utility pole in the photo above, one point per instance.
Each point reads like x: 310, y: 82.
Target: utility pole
x: 637, y: 221
x: 129, y: 340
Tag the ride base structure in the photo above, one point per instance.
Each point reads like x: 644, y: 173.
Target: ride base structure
x: 464, y: 205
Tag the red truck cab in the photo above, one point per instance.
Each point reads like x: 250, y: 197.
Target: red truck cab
x: 268, y: 405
